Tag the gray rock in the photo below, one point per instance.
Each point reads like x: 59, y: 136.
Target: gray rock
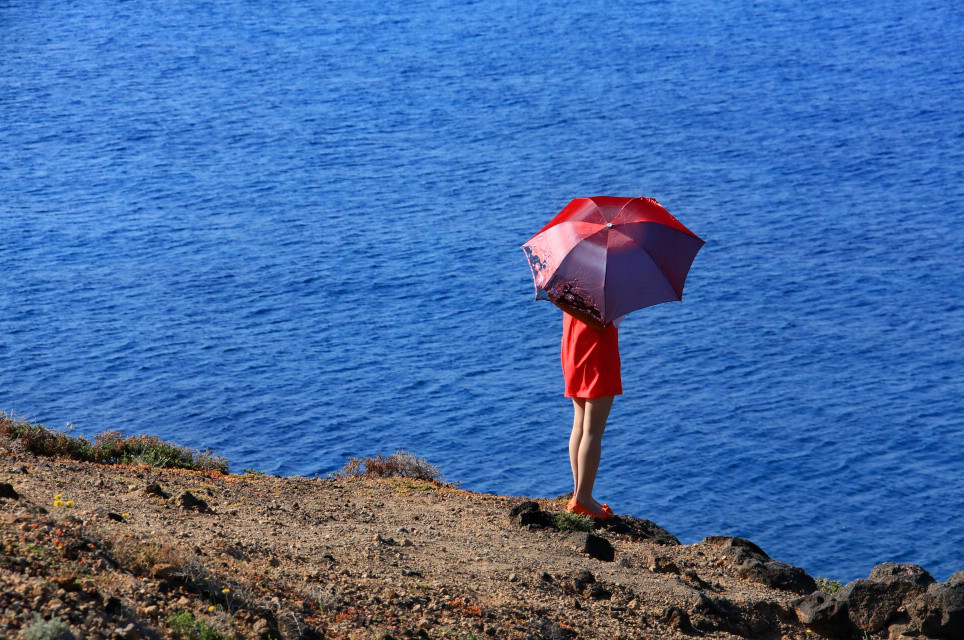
x: 658, y: 563
x: 189, y: 501
x: 753, y: 564
x: 777, y: 575
x: 732, y: 542
x: 599, y: 592
x: 749, y: 620
x: 890, y: 572
x: 549, y: 630
x: 694, y: 580
x: 165, y: 571
x: 596, y: 546
x: 155, y: 489
x: 939, y: 612
x: 7, y: 491
x: 824, y: 614
x: 112, y: 606
x: 529, y: 514
x: 676, y: 618
x: 637, y: 529
x: 894, y: 601
x: 583, y: 578
x: 873, y: 606
x: 129, y: 632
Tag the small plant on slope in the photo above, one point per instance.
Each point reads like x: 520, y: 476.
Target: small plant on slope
x: 40, y: 629
x: 573, y: 522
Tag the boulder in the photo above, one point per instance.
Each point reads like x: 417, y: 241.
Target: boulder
x: 658, y: 563
x: 824, y: 614
x: 166, y: 571
x: 752, y: 563
x: 871, y: 605
x: 529, y: 514
x: 694, y: 580
x: 748, y: 619
x: 876, y: 603
x: 890, y: 572
x: 637, y: 529
x: 113, y: 606
x: 777, y: 575
x: 939, y: 611
x: 676, y: 618
x: 7, y: 491
x: 155, y: 489
x: 593, y: 545
x: 583, y: 578
x: 732, y: 542
x: 549, y: 630
x: 896, y: 598
x: 599, y: 592
x: 189, y: 501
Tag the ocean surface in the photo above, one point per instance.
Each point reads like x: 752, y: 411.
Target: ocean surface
x: 290, y: 232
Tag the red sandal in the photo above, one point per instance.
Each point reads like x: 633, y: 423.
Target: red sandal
x: 574, y: 507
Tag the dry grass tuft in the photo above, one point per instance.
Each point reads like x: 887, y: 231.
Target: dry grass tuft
x: 400, y: 464
x: 141, y: 556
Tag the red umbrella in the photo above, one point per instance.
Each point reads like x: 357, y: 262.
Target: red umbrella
x: 606, y: 256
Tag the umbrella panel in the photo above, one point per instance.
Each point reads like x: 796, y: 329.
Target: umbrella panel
x: 671, y: 250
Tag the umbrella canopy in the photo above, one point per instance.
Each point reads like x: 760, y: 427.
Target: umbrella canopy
x: 606, y: 256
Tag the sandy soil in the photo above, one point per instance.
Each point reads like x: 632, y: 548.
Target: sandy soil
x: 117, y: 551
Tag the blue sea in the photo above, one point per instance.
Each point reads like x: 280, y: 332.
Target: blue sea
x: 290, y: 232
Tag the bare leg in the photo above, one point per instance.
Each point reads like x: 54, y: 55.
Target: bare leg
x: 595, y: 413
x: 578, y: 410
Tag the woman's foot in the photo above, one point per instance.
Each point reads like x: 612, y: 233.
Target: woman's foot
x: 592, y: 504
x: 597, y: 510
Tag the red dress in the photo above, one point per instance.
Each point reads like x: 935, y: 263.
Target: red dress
x: 590, y: 359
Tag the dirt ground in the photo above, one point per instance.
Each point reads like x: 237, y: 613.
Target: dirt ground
x: 114, y: 551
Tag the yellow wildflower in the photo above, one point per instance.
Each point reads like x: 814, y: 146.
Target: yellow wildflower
x: 225, y: 590
x: 211, y: 608
x: 58, y: 503
x: 69, y: 503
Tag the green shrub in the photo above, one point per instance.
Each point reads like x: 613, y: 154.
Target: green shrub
x: 185, y: 626
x: 567, y: 521
x: 108, y: 447
x: 828, y: 586
x: 40, y: 629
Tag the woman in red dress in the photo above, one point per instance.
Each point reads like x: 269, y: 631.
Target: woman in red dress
x: 591, y: 367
